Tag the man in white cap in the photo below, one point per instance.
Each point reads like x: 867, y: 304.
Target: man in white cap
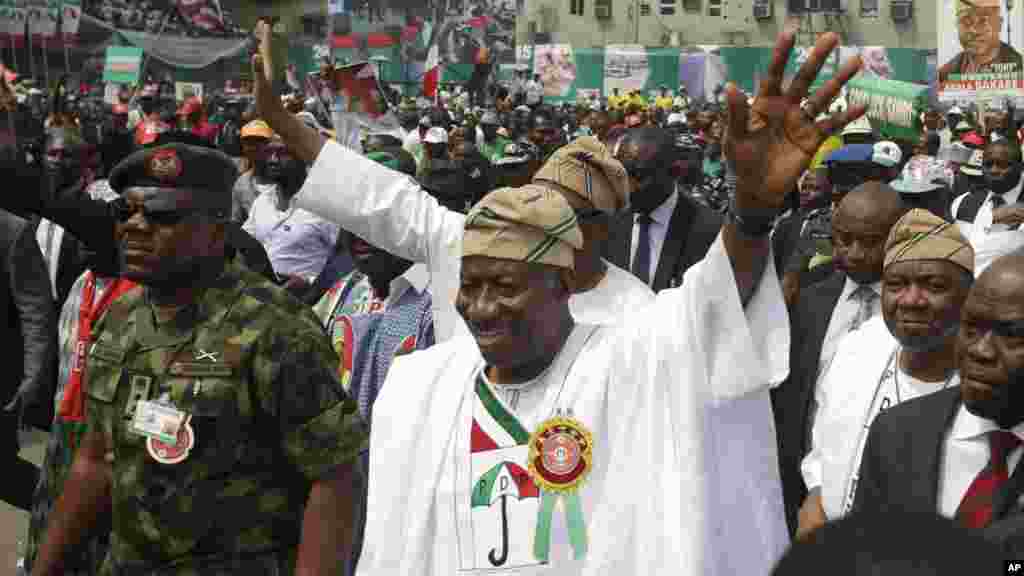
x: 858, y: 132
x: 908, y: 351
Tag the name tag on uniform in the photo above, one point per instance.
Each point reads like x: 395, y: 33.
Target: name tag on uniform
x: 158, y: 421
x: 201, y: 369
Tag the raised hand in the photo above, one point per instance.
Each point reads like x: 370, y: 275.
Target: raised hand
x: 772, y: 142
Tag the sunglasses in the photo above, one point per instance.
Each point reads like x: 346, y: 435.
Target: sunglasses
x: 123, y: 211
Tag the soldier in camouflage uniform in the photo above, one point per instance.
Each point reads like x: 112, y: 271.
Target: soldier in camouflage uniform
x: 215, y: 415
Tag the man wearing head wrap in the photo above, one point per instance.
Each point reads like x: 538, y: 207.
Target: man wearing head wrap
x: 958, y: 452
x: 253, y: 425
x: 684, y: 376
x: 907, y: 352
x: 991, y: 216
x: 395, y: 213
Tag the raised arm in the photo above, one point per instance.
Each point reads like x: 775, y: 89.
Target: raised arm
x: 384, y: 207
x: 769, y: 145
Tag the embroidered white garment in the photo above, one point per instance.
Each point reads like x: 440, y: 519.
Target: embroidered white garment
x: 685, y: 472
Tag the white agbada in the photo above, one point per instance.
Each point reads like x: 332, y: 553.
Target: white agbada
x: 685, y: 476
x: 860, y: 383
x: 393, y: 212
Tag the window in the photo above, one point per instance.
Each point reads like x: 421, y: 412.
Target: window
x: 667, y: 7
x: 691, y: 5
x: 715, y: 8
x: 869, y: 8
x: 576, y: 7
x: 645, y: 8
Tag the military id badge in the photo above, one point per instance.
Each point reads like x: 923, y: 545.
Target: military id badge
x: 560, y: 459
x: 157, y: 420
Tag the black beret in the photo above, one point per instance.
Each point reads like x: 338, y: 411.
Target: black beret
x: 177, y: 166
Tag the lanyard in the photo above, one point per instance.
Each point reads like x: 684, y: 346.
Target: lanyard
x: 72, y: 404
x: 874, y: 409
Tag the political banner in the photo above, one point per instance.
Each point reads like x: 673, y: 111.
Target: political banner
x: 894, y: 107
x: 71, y: 19
x: 978, y: 51
x: 625, y: 68
x: 556, y: 66
x: 123, y: 64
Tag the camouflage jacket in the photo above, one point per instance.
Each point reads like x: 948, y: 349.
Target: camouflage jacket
x: 258, y: 378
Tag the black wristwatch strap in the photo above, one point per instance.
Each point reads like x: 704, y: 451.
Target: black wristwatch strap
x: 752, y: 226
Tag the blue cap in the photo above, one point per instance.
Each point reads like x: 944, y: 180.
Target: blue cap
x: 852, y: 153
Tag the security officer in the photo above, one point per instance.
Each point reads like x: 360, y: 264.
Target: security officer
x: 215, y: 413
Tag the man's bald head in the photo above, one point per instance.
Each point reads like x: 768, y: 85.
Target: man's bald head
x: 860, y: 227
x: 990, y: 345
x: 874, y: 199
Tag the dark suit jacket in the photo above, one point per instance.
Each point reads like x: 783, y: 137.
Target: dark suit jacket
x: 29, y: 334
x: 691, y: 231
x: 902, y: 466
x: 69, y: 262
x: 791, y: 400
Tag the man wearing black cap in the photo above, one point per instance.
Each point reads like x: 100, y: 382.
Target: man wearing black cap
x: 216, y: 393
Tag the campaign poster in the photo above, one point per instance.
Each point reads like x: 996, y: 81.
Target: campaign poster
x: 625, y: 67
x: 556, y: 66
x: 979, y: 45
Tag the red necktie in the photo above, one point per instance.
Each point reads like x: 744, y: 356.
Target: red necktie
x: 975, y: 510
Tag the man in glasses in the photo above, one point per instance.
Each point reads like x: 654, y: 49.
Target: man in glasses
x: 665, y: 232
x: 979, y: 25
x: 217, y: 395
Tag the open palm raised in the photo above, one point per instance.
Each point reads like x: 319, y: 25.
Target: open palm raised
x: 771, y: 142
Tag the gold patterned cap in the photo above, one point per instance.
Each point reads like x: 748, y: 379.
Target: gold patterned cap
x: 587, y: 168
x: 527, y: 224
x: 921, y: 235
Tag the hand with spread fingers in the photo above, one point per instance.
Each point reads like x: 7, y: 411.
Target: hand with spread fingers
x: 771, y: 142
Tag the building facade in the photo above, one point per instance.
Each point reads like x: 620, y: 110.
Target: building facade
x: 596, y: 23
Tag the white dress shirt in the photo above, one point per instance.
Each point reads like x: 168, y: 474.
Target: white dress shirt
x: 49, y: 237
x: 661, y: 217
x: 965, y: 453
x: 297, y: 241
x: 843, y: 316
x: 989, y: 240
x: 860, y: 383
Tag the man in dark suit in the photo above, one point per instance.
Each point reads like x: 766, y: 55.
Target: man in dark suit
x: 28, y: 351
x: 822, y: 315
x: 957, y: 452
x: 665, y: 232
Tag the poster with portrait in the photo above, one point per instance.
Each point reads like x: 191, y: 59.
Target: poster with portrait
x: 625, y: 67
x: 556, y: 66
x: 979, y: 55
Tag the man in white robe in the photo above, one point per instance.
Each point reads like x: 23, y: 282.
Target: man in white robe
x: 906, y: 353
x: 662, y: 457
x: 392, y: 211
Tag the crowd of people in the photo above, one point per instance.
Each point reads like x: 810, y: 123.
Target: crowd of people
x: 613, y: 337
